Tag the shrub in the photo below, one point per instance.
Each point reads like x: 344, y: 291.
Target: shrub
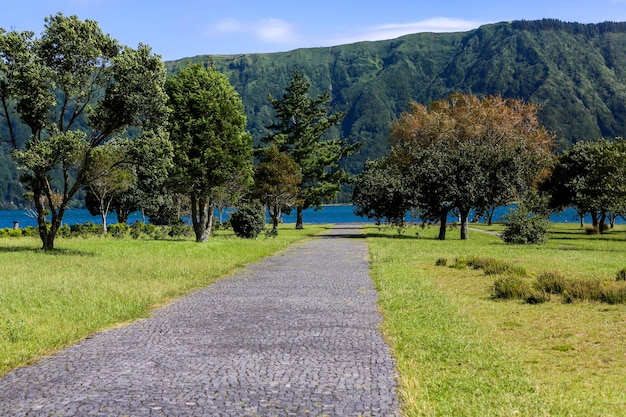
x: 584, y: 289
x: 248, y: 221
x: 30, y: 231
x: 537, y: 297
x: 614, y: 293
x: 8, y: 232
x: 510, y: 287
x: 524, y: 227
x: 118, y: 230
x: 180, y: 229
x: 551, y: 282
x: 621, y: 275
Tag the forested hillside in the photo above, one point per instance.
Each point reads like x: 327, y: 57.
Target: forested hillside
x: 576, y: 72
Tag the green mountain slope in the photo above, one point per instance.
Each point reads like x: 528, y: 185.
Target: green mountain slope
x: 576, y: 72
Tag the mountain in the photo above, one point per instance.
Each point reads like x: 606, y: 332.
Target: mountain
x: 575, y: 72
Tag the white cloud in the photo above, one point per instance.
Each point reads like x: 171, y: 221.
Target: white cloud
x: 394, y: 30
x: 275, y: 30
x: 278, y: 34
x: 265, y: 30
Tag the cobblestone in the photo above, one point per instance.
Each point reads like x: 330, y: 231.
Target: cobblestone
x: 296, y: 334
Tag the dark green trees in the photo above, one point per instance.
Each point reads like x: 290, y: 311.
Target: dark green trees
x: 591, y: 177
x: 299, y: 131
x: 211, y: 145
x: 466, y: 153
x: 277, y: 181
x: 72, y: 89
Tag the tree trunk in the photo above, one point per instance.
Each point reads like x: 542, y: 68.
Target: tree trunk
x: 200, y: 218
x: 122, y: 215
x: 490, y: 214
x: 274, y: 216
x: 299, y: 223
x: 464, y: 228
x: 50, y: 234
x: 594, y: 219
x: 104, y: 223
x: 443, y: 225
x: 601, y: 222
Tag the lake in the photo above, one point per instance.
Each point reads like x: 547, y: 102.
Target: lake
x: 329, y: 214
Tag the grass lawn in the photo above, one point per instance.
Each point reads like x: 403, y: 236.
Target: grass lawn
x: 51, y: 300
x: 462, y: 353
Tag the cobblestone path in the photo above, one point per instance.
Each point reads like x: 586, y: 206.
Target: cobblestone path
x: 293, y: 335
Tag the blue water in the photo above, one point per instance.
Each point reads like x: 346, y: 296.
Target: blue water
x: 329, y: 214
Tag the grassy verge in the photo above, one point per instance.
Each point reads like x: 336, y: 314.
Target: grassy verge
x: 51, y: 300
x: 460, y: 352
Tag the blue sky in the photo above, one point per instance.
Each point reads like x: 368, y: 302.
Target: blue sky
x: 183, y: 28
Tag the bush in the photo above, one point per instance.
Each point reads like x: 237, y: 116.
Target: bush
x: 621, y: 275
x: 180, y: 229
x: 614, y: 293
x: 523, y: 227
x: 510, y: 287
x: 551, y: 282
x: 584, y: 289
x: 64, y: 231
x: 537, y: 297
x: 118, y: 230
x: 248, y: 221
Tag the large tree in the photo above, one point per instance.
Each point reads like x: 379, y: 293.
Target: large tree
x: 591, y: 177
x: 466, y: 153
x: 211, y: 145
x: 74, y: 88
x: 300, y: 131
x: 380, y: 193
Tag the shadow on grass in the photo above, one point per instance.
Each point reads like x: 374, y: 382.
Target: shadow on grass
x: 54, y: 252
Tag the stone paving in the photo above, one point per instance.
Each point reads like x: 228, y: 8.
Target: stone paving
x: 296, y: 334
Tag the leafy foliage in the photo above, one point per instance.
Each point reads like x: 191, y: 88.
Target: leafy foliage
x: 74, y: 88
x: 302, y: 121
x: 524, y: 227
x: 277, y: 180
x: 248, y: 221
x: 591, y: 176
x: 575, y: 72
x: 211, y: 145
x: 464, y: 152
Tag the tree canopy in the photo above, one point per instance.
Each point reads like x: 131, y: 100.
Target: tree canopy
x: 591, y: 177
x: 73, y: 88
x: 211, y: 144
x: 299, y: 131
x: 466, y: 153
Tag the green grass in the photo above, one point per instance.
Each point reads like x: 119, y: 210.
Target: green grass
x: 461, y: 352
x: 51, y: 300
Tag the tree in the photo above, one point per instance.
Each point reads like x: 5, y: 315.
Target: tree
x: 149, y: 158
x: 591, y: 177
x: 381, y: 193
x: 277, y: 181
x: 299, y: 132
x: 74, y: 88
x: 211, y: 145
x: 464, y: 152
x: 111, y: 178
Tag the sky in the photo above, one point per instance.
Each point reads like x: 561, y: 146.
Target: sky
x: 185, y: 28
